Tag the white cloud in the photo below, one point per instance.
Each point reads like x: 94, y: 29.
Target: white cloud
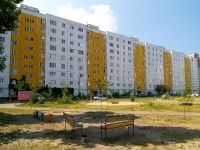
x: 102, y: 16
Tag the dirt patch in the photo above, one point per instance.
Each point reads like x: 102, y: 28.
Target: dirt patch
x: 151, y: 132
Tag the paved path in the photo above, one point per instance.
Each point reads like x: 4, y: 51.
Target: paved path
x: 14, y: 105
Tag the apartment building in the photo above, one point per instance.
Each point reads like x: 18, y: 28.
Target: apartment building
x: 120, y: 63
x: 48, y: 49
x: 96, y: 59
x: 194, y: 74
x: 27, y: 48
x: 65, y: 53
x: 4, y: 76
x: 154, y: 66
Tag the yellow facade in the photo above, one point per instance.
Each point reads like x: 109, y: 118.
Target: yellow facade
x: 27, y: 50
x: 139, y: 68
x: 187, y: 70
x: 167, y: 69
x: 96, y: 57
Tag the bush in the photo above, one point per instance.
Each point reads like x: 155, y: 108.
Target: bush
x: 41, y: 101
x: 115, y: 94
x: 66, y: 100
x: 166, y: 95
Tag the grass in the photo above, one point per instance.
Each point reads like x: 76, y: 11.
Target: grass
x: 144, y: 104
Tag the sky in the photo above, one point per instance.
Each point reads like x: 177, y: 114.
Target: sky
x: 174, y: 24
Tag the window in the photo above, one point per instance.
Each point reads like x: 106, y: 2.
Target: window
x: 41, y: 55
x: 63, y: 25
x: 63, y: 41
x: 41, y: 73
x: 53, y: 31
x: 71, y: 75
x: 63, y: 58
x: 129, y: 42
x: 117, y: 39
x: 51, y: 73
x: 71, y: 27
x: 14, y: 33
x: 52, y: 22
x: 2, y: 39
x: 29, y: 20
x: 117, y: 45
x: 13, y: 61
x: 42, y: 38
x: 112, y: 64
x: 42, y: 29
x: 129, y: 48
x: 110, y: 37
x: 52, y: 39
x: 80, y: 60
x: 63, y: 74
x: 14, y: 52
x: 71, y: 67
x: 53, y: 56
x: 28, y: 66
x: 63, y: 66
x: 43, y: 21
x: 52, y: 65
x: 80, y: 44
x: 41, y: 64
x: 28, y: 38
x: 42, y: 47
x: 63, y: 32
x: 52, y: 47
x: 80, y: 37
x: 29, y: 29
x: 80, y: 29
x: 71, y: 34
x: 1, y: 80
x: 111, y: 44
x: 71, y: 50
x: 80, y: 52
x: 71, y: 82
x: 52, y: 82
x: 111, y: 57
x: 71, y: 43
x: 63, y: 49
x: 112, y: 51
x: 71, y: 58
x: 13, y: 71
x: 14, y: 42
x: 1, y: 91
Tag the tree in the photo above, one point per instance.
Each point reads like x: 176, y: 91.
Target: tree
x: 187, y: 92
x: 9, y: 14
x: 132, y: 98
x: 33, y: 97
x: 2, y: 59
x: 101, y: 86
x: 21, y: 83
x: 160, y: 89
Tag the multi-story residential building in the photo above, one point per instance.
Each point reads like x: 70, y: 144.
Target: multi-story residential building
x: 120, y: 63
x: 96, y: 60
x: 4, y: 75
x: 194, y: 74
x: 178, y: 74
x: 195, y: 55
x: 139, y: 68
x: 48, y: 49
x: 154, y: 66
x: 65, y: 53
x: 27, y: 47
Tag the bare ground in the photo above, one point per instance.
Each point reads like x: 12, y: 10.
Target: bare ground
x: 151, y: 132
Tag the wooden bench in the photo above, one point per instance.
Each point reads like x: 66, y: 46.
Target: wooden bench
x: 73, y: 123
x: 118, y: 121
x: 38, y: 113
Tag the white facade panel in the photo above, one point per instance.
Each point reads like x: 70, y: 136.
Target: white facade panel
x: 65, y: 53
x: 194, y: 74
x: 120, y: 62
x: 154, y: 66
